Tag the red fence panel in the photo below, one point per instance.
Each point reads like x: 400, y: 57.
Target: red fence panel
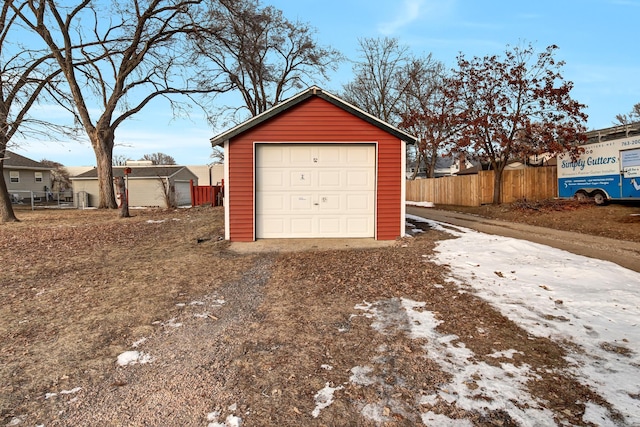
x: 206, y: 195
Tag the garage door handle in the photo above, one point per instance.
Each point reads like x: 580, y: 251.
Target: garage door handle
x: 316, y: 204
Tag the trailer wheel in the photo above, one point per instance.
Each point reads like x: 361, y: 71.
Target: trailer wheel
x: 600, y: 198
x: 581, y: 196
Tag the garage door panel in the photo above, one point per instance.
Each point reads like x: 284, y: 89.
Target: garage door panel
x: 329, y: 225
x: 271, y: 180
x: 272, y: 157
x: 359, y: 156
x: 359, y: 179
x: 301, y: 203
x: 358, y: 225
x: 359, y: 202
x: 274, y: 202
x: 329, y: 155
x: 330, y: 178
x: 317, y: 190
x: 299, y: 154
x: 275, y: 225
x: 301, y: 178
x: 301, y: 225
x: 331, y: 203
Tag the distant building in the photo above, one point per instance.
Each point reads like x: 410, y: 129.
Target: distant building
x: 25, y: 176
x: 147, y: 185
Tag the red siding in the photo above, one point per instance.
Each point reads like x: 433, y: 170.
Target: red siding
x: 314, y: 120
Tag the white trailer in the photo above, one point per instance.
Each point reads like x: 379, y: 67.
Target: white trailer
x: 608, y: 170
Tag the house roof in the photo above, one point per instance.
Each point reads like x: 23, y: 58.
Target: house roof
x: 511, y: 164
x: 138, y: 172
x: 614, y: 132
x: 301, y: 97
x: 14, y: 160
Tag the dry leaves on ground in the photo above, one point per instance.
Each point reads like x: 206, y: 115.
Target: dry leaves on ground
x: 227, y: 334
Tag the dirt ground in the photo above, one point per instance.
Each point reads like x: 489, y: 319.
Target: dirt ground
x: 616, y: 220
x: 252, y: 335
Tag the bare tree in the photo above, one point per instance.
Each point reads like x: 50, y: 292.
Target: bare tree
x: 217, y: 156
x: 26, y: 72
x: 516, y: 106
x: 262, y: 54
x: 427, y: 110
x: 632, y: 117
x: 119, y: 160
x: 379, y: 83
x: 139, y: 54
x: 168, y: 192
x: 159, y: 159
x: 60, y: 178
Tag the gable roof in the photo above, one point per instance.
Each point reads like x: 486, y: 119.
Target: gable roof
x: 16, y: 161
x: 301, y: 97
x: 162, y: 171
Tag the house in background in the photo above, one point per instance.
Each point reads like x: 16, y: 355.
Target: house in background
x: 25, y: 176
x: 147, y: 185
x: 77, y: 170
x: 449, y: 166
x: 445, y: 166
x: 208, y: 174
x: 314, y: 166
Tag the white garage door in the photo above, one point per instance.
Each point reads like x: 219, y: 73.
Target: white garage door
x: 183, y: 193
x: 315, y: 190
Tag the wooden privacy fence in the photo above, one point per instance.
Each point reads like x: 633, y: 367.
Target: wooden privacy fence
x: 206, y: 194
x: 475, y: 190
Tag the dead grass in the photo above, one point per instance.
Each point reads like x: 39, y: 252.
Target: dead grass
x: 79, y: 287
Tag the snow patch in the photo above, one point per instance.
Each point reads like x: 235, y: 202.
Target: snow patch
x: 132, y: 357
x: 564, y: 297
x: 139, y: 342
x: 172, y: 323
x: 230, y: 421
x: 360, y: 375
x: 324, y: 398
x: 432, y: 419
x: 420, y: 204
x: 72, y: 391
x: 475, y: 385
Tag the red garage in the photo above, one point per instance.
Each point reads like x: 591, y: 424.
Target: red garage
x: 314, y: 166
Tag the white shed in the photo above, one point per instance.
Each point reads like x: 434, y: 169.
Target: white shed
x: 146, y: 185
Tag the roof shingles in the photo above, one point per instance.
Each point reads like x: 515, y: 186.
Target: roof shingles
x: 14, y: 160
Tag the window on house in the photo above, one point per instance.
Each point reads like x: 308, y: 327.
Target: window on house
x: 14, y: 176
x: 38, y: 176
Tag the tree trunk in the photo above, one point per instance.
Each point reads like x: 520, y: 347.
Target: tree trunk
x: 417, y: 168
x: 431, y: 167
x: 124, y: 199
x: 6, y: 209
x: 102, y: 142
x: 497, y: 184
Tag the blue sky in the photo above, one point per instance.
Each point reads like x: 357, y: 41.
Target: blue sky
x: 596, y: 38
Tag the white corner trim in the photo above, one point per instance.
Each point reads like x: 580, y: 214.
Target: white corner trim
x: 227, y: 228
x: 403, y: 191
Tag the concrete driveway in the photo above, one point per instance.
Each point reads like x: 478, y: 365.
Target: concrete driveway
x: 296, y: 245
